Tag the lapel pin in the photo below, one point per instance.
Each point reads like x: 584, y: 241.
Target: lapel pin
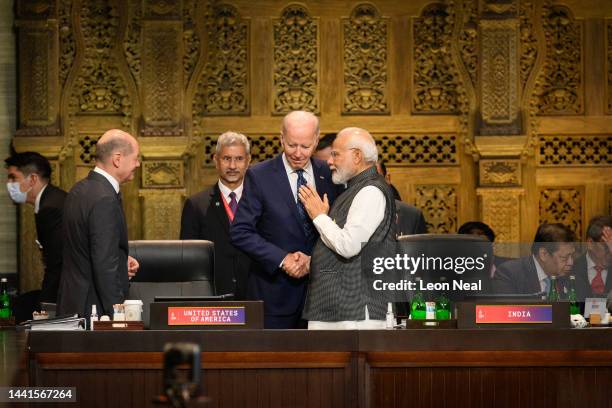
x: 217, y: 203
x: 321, y: 177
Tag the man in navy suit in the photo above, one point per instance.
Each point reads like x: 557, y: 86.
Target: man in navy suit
x: 272, y: 226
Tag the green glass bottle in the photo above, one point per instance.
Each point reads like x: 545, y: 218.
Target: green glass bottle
x: 572, y: 297
x: 442, y: 307
x: 553, y: 294
x: 417, y: 307
x: 5, y: 300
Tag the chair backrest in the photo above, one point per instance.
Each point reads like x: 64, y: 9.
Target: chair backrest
x: 171, y: 268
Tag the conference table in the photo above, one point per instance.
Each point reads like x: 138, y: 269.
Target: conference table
x: 502, y: 367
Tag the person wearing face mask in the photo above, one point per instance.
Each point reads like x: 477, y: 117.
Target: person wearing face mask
x: 28, y: 182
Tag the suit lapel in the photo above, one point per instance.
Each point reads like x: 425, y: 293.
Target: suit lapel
x: 533, y: 283
x: 216, y: 205
x: 320, y: 180
x: 282, y: 182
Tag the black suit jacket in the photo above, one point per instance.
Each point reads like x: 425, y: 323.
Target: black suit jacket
x: 95, y: 249
x: 204, y: 217
x: 520, y: 276
x: 583, y: 286
x: 410, y: 219
x: 49, y: 232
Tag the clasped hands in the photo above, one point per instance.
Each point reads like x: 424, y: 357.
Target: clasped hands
x: 296, y: 264
x: 312, y: 202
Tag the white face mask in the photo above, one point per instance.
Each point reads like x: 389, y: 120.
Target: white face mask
x: 14, y: 190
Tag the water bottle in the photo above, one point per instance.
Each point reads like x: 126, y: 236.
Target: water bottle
x: 5, y: 300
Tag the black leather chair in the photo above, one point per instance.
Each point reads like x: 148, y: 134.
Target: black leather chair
x: 171, y: 268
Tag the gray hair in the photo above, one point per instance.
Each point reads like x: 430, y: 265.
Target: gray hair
x: 106, y: 149
x: 230, y: 138
x: 364, y: 142
x: 302, y: 116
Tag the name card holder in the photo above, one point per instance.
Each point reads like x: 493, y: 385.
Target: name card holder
x: 206, y: 315
x: 491, y: 314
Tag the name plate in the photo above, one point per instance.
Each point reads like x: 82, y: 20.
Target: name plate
x: 206, y: 315
x: 514, y: 314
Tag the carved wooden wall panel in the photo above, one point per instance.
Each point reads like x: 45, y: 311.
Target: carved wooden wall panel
x: 296, y: 61
x: 365, y: 38
x: 469, y: 100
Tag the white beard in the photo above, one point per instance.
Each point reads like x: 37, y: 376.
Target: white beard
x: 340, y: 176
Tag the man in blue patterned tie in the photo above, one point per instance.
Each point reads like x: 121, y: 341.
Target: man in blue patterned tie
x: 209, y: 213
x: 272, y: 226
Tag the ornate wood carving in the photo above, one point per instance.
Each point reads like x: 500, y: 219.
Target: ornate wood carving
x: 67, y: 47
x: 296, y: 61
x: 500, y: 172
x: 499, y: 86
x: 560, y: 88
x: 191, y: 39
x: 365, y: 61
x: 99, y: 87
x: 439, y: 205
x: 468, y: 40
x: 162, y: 174
x: 161, y: 213
x: 593, y: 150
x: 87, y: 149
x: 528, y: 42
x: 501, y: 211
x: 224, y: 86
x: 132, y: 45
x: 434, y: 85
x: 407, y: 150
x: 162, y: 78
x: 609, y: 66
x: 562, y: 205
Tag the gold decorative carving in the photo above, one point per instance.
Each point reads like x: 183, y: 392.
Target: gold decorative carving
x: 132, y: 45
x: 528, y: 42
x: 163, y: 8
x: 263, y: 147
x: 501, y: 211
x: 594, y: 150
x: 434, y: 85
x: 407, y: 150
x: 159, y: 174
x: 224, y: 87
x: 610, y: 200
x: 30, y: 256
x: 34, y: 65
x: 439, y: 205
x: 365, y: 61
x: 468, y: 39
x: 87, y: 149
x: 563, y: 205
x: 559, y: 90
x: 66, y: 40
x: 35, y: 9
x: 162, y: 76
x: 500, y: 172
x: 161, y: 213
x: 499, y: 92
x: 191, y: 39
x: 296, y: 61
x: 55, y: 172
x: 99, y: 87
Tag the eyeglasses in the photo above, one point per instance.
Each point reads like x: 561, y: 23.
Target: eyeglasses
x: 336, y: 153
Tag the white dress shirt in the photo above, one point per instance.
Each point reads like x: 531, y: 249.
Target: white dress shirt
x: 364, y: 216
x: 591, y: 272
x: 37, y: 200
x: 226, y: 191
x: 293, y: 176
x: 110, y: 178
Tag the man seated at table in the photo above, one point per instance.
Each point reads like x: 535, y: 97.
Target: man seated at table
x: 592, y: 269
x: 364, y: 213
x: 551, y: 255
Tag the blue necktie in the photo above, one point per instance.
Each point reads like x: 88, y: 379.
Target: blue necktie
x: 306, y: 223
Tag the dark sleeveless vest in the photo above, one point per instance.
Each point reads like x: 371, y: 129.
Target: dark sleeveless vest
x: 337, y: 288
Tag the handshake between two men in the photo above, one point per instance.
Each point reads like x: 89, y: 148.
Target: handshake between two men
x: 297, y: 264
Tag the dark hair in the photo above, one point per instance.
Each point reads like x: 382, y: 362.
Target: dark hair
x: 548, y: 236
x: 471, y: 226
x: 106, y: 149
x: 326, y: 141
x: 30, y: 162
x: 596, y: 226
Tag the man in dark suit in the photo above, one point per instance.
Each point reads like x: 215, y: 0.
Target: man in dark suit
x: 551, y: 255
x: 208, y: 214
x: 274, y: 229
x: 96, y: 261
x: 592, y: 269
x: 29, y: 175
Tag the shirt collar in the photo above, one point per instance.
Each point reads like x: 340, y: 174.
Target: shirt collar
x: 590, y: 263
x: 37, y: 201
x: 226, y: 190
x: 307, y: 168
x: 110, y: 178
